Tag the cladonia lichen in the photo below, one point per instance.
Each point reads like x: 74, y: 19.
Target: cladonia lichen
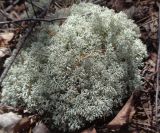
x: 79, y: 74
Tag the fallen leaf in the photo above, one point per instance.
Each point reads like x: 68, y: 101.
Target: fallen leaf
x: 2, y: 4
x: 124, y: 115
x: 129, y: 1
x: 153, y: 57
x: 19, y: 8
x: 130, y: 12
x: 8, y: 121
x: 40, y: 128
x: 5, y: 38
x: 118, y: 5
x: 23, y: 124
x: 89, y: 131
x: 6, y: 109
x: 4, y: 52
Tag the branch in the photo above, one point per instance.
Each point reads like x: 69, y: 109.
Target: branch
x: 15, y: 53
x: 5, y: 14
x: 33, y: 8
x: 158, y: 73
x: 11, y: 6
x: 20, y: 44
x: 32, y: 19
x: 35, y: 5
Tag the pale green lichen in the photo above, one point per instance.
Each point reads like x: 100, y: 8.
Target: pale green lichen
x: 90, y: 66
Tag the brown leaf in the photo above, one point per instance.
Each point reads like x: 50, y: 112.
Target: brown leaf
x: 153, y: 57
x: 5, y: 38
x: 9, y: 120
x: 40, y: 128
x: 19, y: 8
x: 118, y: 5
x: 5, y: 52
x: 130, y: 12
x: 23, y: 124
x: 124, y: 115
x: 2, y: 4
x: 89, y: 131
x: 6, y: 109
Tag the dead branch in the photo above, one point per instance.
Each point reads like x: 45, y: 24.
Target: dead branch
x: 157, y: 69
x: 5, y: 14
x: 15, y: 52
x: 21, y: 43
x: 11, y: 6
x: 32, y: 19
x: 34, y: 4
x: 33, y: 8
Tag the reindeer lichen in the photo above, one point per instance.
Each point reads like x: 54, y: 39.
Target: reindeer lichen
x: 90, y: 65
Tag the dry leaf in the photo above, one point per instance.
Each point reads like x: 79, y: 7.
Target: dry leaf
x: 128, y: 1
x: 5, y: 38
x: 2, y: 4
x: 130, y: 12
x: 19, y: 8
x: 8, y: 121
x: 124, y: 115
x: 118, y: 5
x: 23, y: 124
x: 40, y: 128
x: 153, y: 57
x: 5, y: 52
x: 89, y: 131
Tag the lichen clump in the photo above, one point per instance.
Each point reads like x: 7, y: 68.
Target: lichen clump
x: 89, y: 67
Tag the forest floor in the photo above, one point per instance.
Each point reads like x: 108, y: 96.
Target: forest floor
x: 137, y: 115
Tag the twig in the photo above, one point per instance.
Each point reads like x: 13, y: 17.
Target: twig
x: 142, y: 19
x: 5, y: 14
x: 35, y: 5
x: 33, y: 8
x: 157, y: 69
x: 57, y: 5
x: 148, y: 22
x: 32, y: 19
x: 143, y: 126
x: 11, y: 6
x: 26, y: 9
x: 147, y: 114
x: 20, y: 45
x: 15, y: 52
x: 99, y: 2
